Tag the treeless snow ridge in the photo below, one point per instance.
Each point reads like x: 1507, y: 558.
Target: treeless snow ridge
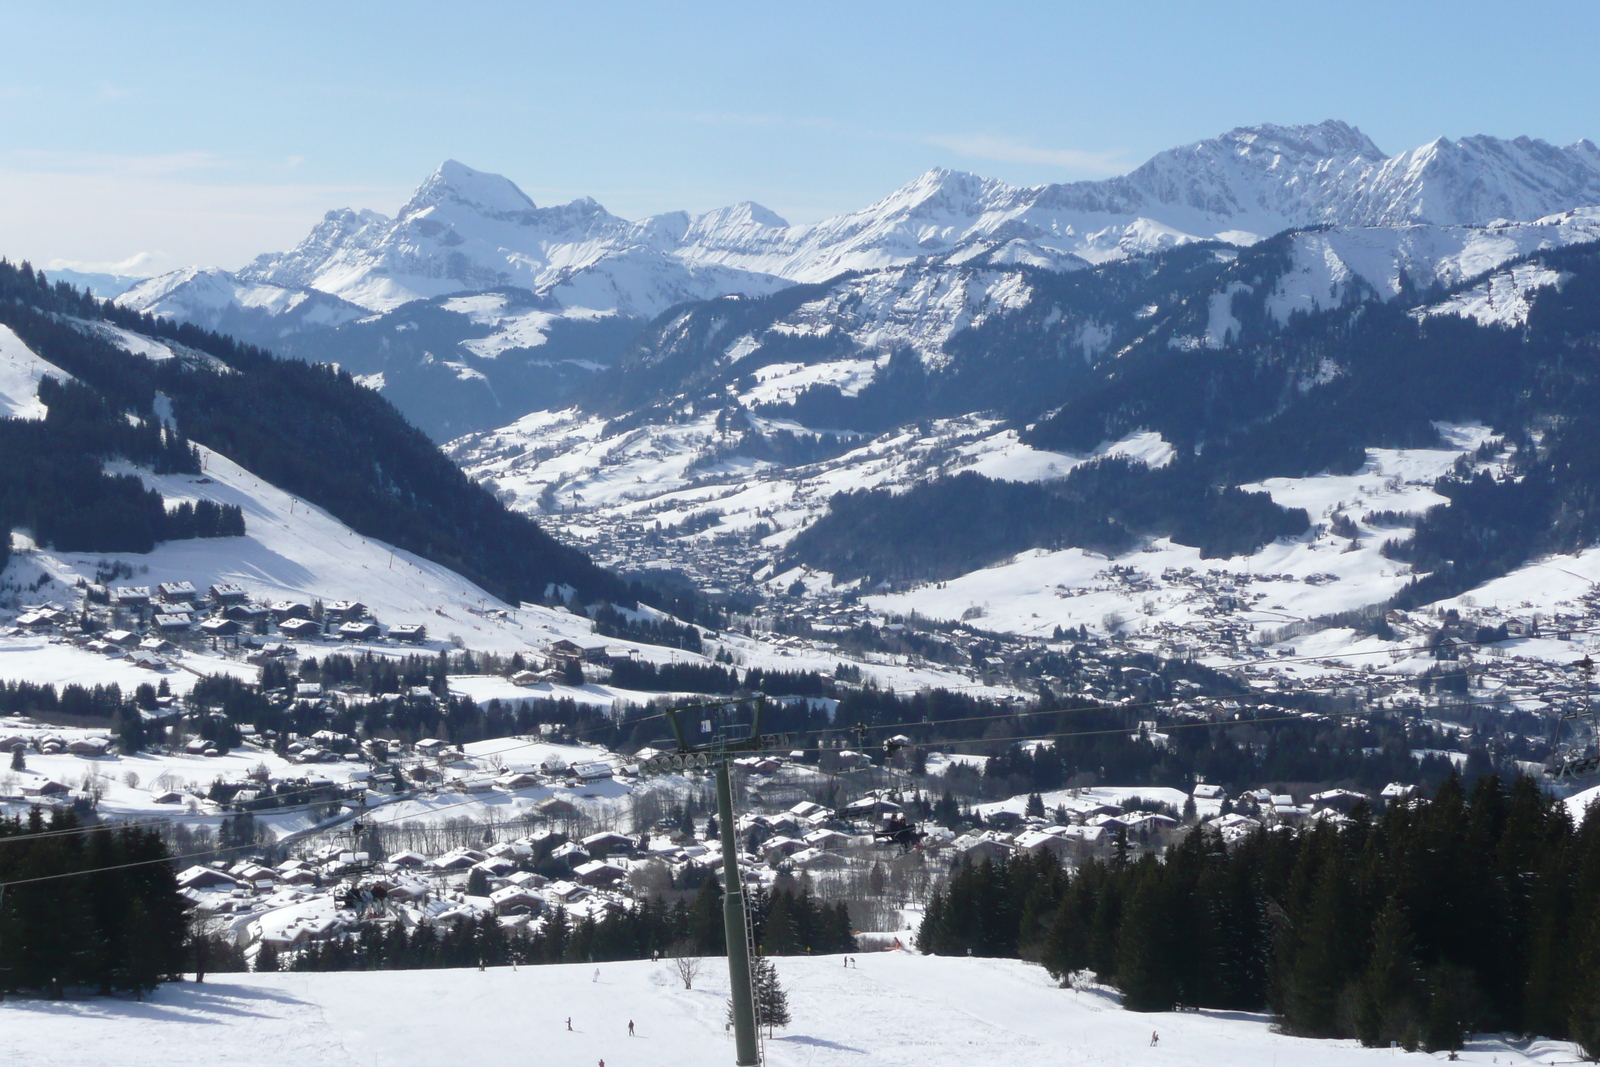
x: 895, y: 1008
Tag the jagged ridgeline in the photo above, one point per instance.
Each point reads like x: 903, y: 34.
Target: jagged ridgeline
x: 307, y: 429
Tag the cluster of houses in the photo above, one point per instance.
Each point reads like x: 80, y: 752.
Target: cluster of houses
x: 226, y: 610
x: 145, y: 623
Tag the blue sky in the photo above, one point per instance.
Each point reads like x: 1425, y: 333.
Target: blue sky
x: 158, y: 135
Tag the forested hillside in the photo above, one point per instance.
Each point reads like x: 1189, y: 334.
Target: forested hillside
x: 309, y: 429
x: 1471, y: 912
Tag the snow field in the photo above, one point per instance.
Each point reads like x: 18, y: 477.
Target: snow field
x: 895, y: 1008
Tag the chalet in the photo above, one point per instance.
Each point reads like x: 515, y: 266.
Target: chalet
x: 456, y: 860
x: 177, y: 592
x: 605, y: 844
x: 975, y: 848
x: 871, y: 808
x: 412, y: 632
x: 526, y: 678
x: 814, y: 859
x: 176, y: 623
x: 810, y: 811
x: 246, y: 613
x: 571, y: 853
x: 779, y: 848
x: 131, y: 596
x: 1340, y: 800
x: 171, y: 796
x: 36, y: 620
x: 827, y: 840
x: 430, y: 747
x: 598, y: 873
x: 12, y: 742
x: 593, y: 772
x: 364, y: 630
x: 121, y: 638
x: 1209, y: 792
x: 565, y: 892
x: 346, y: 610
x: 1052, y: 839
x: 296, y: 627
x: 148, y: 660
x: 515, y: 900
x: 515, y: 851
x: 567, y: 651
x: 495, y: 866
x: 518, y: 780
x: 198, y: 877
x: 288, y: 609
x: 406, y: 860
x: 89, y: 747
x: 308, y: 690
x: 219, y: 627
x: 46, y: 788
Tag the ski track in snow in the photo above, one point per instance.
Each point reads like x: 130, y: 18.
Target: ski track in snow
x: 895, y: 1008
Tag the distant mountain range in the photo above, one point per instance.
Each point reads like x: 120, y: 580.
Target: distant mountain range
x: 574, y: 282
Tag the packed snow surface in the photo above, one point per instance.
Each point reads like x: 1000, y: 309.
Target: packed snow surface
x: 893, y: 1008
x: 20, y: 371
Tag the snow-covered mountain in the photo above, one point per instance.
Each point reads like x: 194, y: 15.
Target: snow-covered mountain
x: 219, y: 300
x: 467, y: 230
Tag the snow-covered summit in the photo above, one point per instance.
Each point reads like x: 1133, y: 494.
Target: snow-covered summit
x: 489, y: 193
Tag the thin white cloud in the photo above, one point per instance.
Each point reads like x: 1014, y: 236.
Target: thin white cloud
x: 140, y: 264
x: 1010, y: 150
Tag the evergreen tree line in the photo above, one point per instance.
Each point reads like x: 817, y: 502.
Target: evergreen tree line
x: 1469, y: 912
x: 203, y: 518
x: 103, y: 931
x: 674, y: 677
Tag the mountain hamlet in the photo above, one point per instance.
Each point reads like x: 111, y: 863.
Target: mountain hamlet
x: 1160, y: 580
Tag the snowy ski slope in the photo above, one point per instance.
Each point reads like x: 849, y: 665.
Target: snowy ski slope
x: 896, y: 1009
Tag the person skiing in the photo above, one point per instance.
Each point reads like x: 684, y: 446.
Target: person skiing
x: 630, y: 1027
x: 569, y: 1022
x: 1155, y: 1039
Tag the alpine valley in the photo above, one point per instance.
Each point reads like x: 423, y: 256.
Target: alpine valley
x: 1174, y: 582
x: 1263, y: 380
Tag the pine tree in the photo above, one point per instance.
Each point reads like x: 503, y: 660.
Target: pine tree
x: 1035, y: 808
x: 18, y: 763
x: 772, y: 1003
x: 1145, y: 971
x: 1387, y: 1009
x: 267, y: 957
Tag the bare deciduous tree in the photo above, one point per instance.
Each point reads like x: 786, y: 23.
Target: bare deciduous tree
x: 686, y: 961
